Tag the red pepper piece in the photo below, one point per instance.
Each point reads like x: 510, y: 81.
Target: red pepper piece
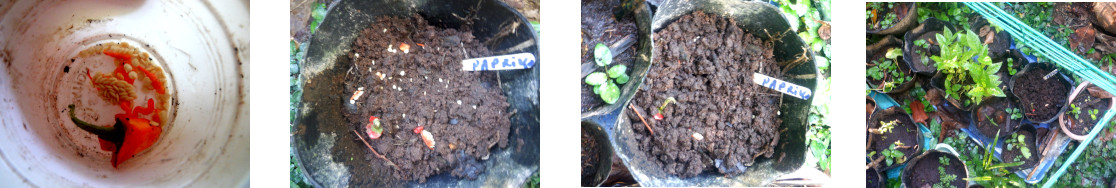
x: 154, y: 81
x: 106, y: 145
x: 658, y: 116
x: 138, y: 136
x: 120, y: 69
x: 418, y: 130
x: 145, y: 111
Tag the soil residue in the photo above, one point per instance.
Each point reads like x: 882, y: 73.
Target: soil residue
x: 1040, y: 99
x: 422, y: 85
x: 707, y: 65
x: 992, y: 118
x: 599, y: 25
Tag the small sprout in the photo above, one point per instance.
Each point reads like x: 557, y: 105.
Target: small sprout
x: 1015, y: 113
x: 374, y: 128
x: 1093, y: 113
x: 697, y: 136
x: 659, y: 114
x: 428, y: 139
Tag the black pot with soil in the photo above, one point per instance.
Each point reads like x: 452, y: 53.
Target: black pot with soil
x: 926, y: 170
x: 629, y: 38
x: 906, y: 14
x: 874, y: 179
x: 1013, y: 152
x: 495, y: 123
x: 994, y: 117
x: 596, y: 155
x: 917, y: 54
x: 708, y: 136
x: 938, y: 82
x: 1084, y: 111
x: 1042, y: 99
x: 895, y: 76
x: 892, y: 126
x: 1000, y: 43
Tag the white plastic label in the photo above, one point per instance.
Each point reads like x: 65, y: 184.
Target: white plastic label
x: 782, y: 86
x: 504, y: 62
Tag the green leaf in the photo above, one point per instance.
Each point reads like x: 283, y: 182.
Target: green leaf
x: 602, y: 55
x: 622, y: 79
x: 317, y: 15
x: 610, y: 93
x: 617, y: 71
x: 893, y: 53
x: 596, y: 78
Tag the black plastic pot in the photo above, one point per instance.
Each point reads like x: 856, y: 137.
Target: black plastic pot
x: 931, y: 27
x: 994, y: 106
x: 642, y: 59
x: 1061, y: 77
x: 874, y: 175
x: 932, y: 156
x: 604, y: 155
x: 320, y: 112
x: 1030, y: 132
x: 904, y: 23
x: 1001, y: 42
x: 760, y: 19
x: 878, y: 50
x: 874, y: 122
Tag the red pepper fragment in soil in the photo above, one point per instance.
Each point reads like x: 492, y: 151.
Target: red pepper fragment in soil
x: 373, y: 128
x: 658, y: 116
x: 418, y: 130
x: 428, y: 139
x: 406, y: 48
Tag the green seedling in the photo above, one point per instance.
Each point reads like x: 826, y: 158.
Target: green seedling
x: 887, y: 70
x: 659, y: 114
x: 973, y: 79
x: 1093, y: 113
x: 1075, y: 111
x: 605, y: 83
x: 944, y: 178
x: 1015, y: 113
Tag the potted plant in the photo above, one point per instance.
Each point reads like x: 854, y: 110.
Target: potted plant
x: 1021, y: 148
x: 967, y: 76
x: 886, y: 18
x: 935, y: 169
x: 997, y: 116
x: 893, y: 138
x: 920, y: 43
x: 1040, y: 92
x: 886, y: 72
x: 1085, y: 110
x: 614, y: 37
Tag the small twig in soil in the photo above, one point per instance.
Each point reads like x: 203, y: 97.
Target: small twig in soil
x: 374, y: 150
x: 517, y: 47
x: 641, y: 119
x: 875, y: 162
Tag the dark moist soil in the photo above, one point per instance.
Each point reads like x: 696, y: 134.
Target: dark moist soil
x: 872, y: 178
x: 933, y: 50
x: 706, y: 65
x: 588, y: 158
x: 1010, y: 155
x: 1081, y: 124
x: 992, y: 118
x: 904, y: 132
x: 598, y: 25
x: 421, y: 88
x: 900, y: 9
x: 925, y: 173
x: 1040, y: 99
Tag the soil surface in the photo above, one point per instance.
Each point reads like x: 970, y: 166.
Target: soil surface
x: 422, y: 86
x: 992, y: 118
x: 588, y: 158
x: 599, y: 25
x: 925, y: 173
x: 1014, y: 154
x: 1040, y: 99
x: 905, y: 132
x: 1081, y: 124
x: 872, y: 178
x: 707, y: 66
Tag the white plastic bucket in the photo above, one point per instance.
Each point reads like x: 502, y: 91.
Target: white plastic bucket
x: 203, y: 47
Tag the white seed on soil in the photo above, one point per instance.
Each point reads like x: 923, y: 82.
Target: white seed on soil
x: 439, y: 80
x: 358, y: 55
x: 404, y: 115
x: 697, y: 136
x: 385, y: 30
x: 402, y: 73
x: 458, y: 102
x: 447, y: 85
x: 426, y: 77
x: 474, y: 107
x: 373, y: 63
x: 423, y: 92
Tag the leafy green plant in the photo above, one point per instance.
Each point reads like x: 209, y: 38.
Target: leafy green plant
x: 968, y: 69
x: 605, y: 83
x: 1010, y: 66
x: 892, y: 154
x: 1075, y: 111
x: 1093, y: 113
x: 921, y: 54
x: 887, y: 71
x: 317, y: 15
x: 944, y: 178
x: 1017, y: 141
x: 885, y: 127
x: 984, y: 170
